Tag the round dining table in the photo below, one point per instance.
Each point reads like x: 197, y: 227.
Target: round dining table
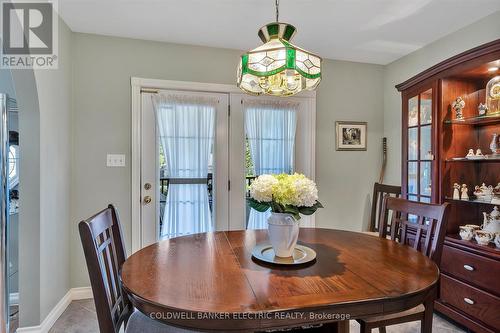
x: 210, y: 282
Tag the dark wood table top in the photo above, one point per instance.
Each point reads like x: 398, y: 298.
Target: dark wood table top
x: 213, y: 277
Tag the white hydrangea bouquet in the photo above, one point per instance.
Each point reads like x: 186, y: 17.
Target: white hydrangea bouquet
x: 289, y: 194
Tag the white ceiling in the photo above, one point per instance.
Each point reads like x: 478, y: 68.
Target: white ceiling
x: 372, y: 31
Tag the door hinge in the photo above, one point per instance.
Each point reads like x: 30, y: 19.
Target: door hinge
x: 229, y: 110
x: 229, y: 185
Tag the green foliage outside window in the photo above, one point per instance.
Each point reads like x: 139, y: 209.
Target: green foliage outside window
x: 248, y: 160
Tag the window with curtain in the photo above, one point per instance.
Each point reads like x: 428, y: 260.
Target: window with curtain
x: 185, y: 125
x: 270, y: 132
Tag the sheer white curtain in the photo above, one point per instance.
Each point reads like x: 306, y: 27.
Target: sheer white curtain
x: 270, y: 130
x: 186, y: 128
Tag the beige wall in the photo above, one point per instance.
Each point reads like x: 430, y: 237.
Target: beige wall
x: 102, y: 70
x: 55, y: 103
x: 45, y: 103
x: 29, y: 200
x: 102, y: 117
x: 483, y: 31
x: 349, y: 91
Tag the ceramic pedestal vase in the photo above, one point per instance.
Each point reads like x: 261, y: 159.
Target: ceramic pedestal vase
x: 283, y: 232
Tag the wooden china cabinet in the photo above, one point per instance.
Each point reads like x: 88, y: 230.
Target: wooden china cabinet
x: 433, y: 140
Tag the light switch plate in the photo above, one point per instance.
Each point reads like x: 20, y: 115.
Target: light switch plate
x: 115, y: 160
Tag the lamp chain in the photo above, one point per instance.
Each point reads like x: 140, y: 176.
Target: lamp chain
x: 277, y: 10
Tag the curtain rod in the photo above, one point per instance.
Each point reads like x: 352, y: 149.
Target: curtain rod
x: 149, y: 90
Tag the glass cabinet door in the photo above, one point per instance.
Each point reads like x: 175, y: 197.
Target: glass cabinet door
x: 419, y: 157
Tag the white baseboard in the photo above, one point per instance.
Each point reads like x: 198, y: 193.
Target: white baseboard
x: 81, y: 293
x: 72, y: 295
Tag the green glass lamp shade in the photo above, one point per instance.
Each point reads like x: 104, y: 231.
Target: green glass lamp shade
x: 278, y: 67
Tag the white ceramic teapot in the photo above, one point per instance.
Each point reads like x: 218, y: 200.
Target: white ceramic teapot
x: 491, y: 222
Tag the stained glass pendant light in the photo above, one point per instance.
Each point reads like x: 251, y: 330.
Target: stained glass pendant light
x: 278, y: 67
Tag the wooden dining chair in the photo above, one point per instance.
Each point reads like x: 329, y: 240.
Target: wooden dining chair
x: 102, y: 241
x: 423, y: 227
x: 379, y: 192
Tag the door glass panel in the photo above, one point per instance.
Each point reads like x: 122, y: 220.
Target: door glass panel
x: 412, y: 218
x: 425, y: 178
x: 426, y: 107
x: 270, y: 146
x: 425, y: 143
x: 413, y: 111
x: 420, y: 150
x: 412, y: 143
x: 412, y: 198
x: 425, y: 199
x: 412, y: 177
x: 185, y: 155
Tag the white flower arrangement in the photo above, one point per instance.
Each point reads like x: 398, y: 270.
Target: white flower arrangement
x: 293, y: 194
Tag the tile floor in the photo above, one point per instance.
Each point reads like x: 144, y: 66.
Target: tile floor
x: 80, y: 317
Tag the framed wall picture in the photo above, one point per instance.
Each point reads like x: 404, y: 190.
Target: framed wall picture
x: 351, y: 135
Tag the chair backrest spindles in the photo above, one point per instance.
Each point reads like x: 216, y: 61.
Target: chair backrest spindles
x: 428, y: 228
x: 379, y: 192
x: 104, y: 251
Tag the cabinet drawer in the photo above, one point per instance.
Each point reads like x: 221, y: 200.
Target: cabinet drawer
x: 476, y: 303
x: 480, y: 271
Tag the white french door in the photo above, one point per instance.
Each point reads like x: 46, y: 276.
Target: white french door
x: 174, y: 199
x: 303, y: 159
x: 227, y: 179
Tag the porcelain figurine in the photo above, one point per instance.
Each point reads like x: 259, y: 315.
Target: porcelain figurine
x: 458, y: 105
x: 497, y: 240
x: 496, y: 189
x: 477, y: 191
x: 494, y: 145
x: 466, y: 233
x: 479, y: 152
x: 483, y: 237
x: 456, y: 191
x: 470, y: 153
x: 491, y: 222
x: 464, y: 195
x: 482, y: 109
x: 483, y: 192
x: 496, y: 195
x: 488, y: 192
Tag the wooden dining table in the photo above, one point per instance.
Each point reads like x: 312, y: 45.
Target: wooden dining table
x: 210, y: 282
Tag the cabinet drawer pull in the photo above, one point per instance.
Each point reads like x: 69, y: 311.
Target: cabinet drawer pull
x: 469, y: 267
x: 468, y: 301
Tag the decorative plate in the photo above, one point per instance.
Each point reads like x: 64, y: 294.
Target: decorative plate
x: 301, y: 255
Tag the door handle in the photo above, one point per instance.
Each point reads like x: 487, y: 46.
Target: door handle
x: 147, y: 199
